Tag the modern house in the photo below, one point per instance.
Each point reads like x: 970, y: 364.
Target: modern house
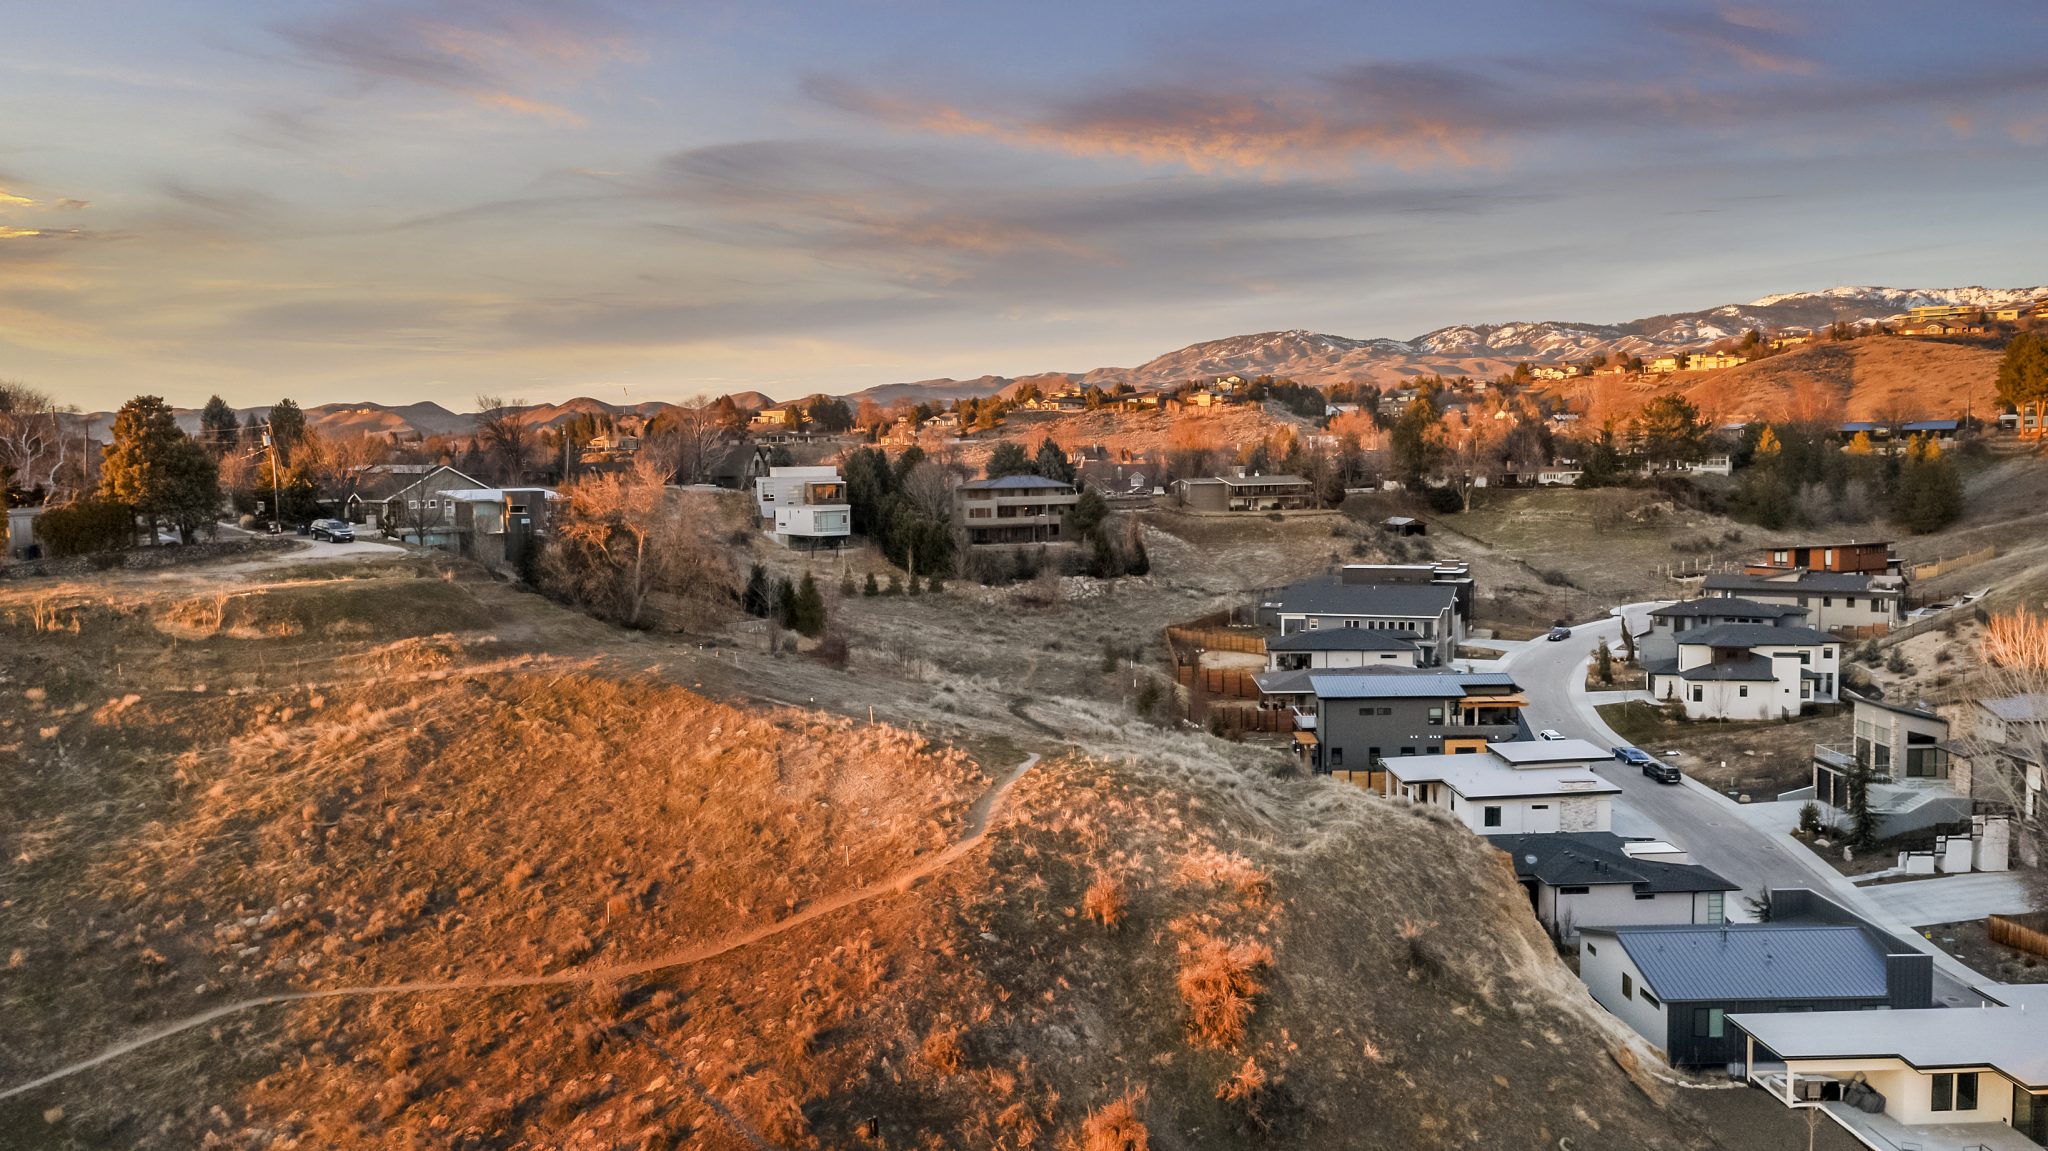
x: 2014, y: 730
x: 1904, y: 747
x: 1937, y: 1077
x: 497, y: 527
x: 1364, y: 716
x: 1597, y: 878
x: 1748, y: 671
x: 1659, y: 642
x: 410, y: 505
x: 1020, y: 509
x: 804, y: 506
x: 1848, y: 603
x: 1676, y: 984
x: 1341, y: 648
x: 1709, y: 361
x: 1874, y: 558
x: 1245, y: 493
x: 1429, y: 613
x: 1511, y: 788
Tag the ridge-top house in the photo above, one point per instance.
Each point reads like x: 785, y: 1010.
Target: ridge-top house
x: 1748, y: 671
x: 1511, y: 787
x: 1850, y: 603
x: 1599, y: 878
x: 1872, y: 558
x: 804, y: 506
x: 1940, y: 1077
x: 1245, y: 493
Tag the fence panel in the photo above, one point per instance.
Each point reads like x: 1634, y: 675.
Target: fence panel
x: 2019, y: 931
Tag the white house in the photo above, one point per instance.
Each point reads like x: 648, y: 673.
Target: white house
x: 1597, y: 878
x: 804, y: 506
x: 1512, y: 788
x: 1854, y: 602
x: 1943, y: 1077
x: 1342, y: 647
x: 1749, y: 671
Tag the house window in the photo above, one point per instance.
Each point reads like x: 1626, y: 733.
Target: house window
x: 1573, y: 890
x: 1592, y: 950
x: 1436, y: 717
x: 1954, y: 1091
x: 1336, y: 757
x: 1827, y: 601
x: 1367, y: 710
x: 413, y: 505
x: 518, y: 509
x: 1743, y: 691
x: 1849, y: 601
x: 1372, y: 755
x: 1707, y: 1023
x: 1827, y: 653
x: 1628, y: 986
x: 1533, y: 806
x: 1350, y: 623
x: 1646, y: 895
x: 1715, y: 911
x: 1313, y: 623
x: 1650, y: 1000
x: 1698, y: 693
x: 1407, y: 751
x: 1490, y: 816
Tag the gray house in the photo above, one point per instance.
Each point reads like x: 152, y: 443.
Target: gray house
x: 1659, y: 644
x: 1583, y: 878
x: 1365, y: 715
x: 1848, y: 603
x: 1426, y: 613
x: 1905, y: 749
x: 1343, y: 647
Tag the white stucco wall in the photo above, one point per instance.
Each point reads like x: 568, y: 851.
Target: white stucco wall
x: 1909, y: 1093
x: 1616, y: 905
x: 1602, y: 963
x: 1536, y: 816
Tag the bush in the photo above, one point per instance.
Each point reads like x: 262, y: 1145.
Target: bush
x: 833, y: 650
x: 86, y: 526
x: 1443, y: 501
x: 1218, y: 981
x: 1117, y: 1126
x: 871, y: 587
x: 935, y: 585
x: 1105, y: 902
x: 1895, y: 662
x: 895, y: 585
x: 1809, y: 817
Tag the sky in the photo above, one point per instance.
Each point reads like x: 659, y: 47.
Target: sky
x: 428, y: 199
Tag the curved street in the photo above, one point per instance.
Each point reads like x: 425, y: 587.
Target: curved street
x: 1691, y: 815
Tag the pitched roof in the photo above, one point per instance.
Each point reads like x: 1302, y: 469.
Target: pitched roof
x: 1753, y: 635
x: 1749, y: 669
x: 1715, y: 606
x: 1329, y: 595
x: 387, y: 485
x: 1806, y: 581
x: 1402, y: 683
x: 2018, y: 708
x: 1685, y: 962
x: 2007, y: 1038
x: 1021, y: 481
x: 1594, y: 858
x: 1344, y: 639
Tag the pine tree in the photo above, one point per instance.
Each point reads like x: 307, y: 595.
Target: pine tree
x: 808, y: 614
x: 218, y: 425
x: 785, y: 603
x: 846, y: 585
x: 755, y: 599
x: 154, y: 468
x: 1604, y: 662
x: 871, y: 587
x: 1008, y: 459
x: 287, y: 428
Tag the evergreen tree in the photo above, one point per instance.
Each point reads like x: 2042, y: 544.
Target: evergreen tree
x: 1671, y: 431
x: 871, y: 587
x: 755, y: 600
x: 1929, y: 493
x: 1604, y: 662
x: 154, y: 468
x: 1052, y: 463
x: 1090, y: 511
x: 1862, y: 821
x: 808, y: 608
x: 846, y: 586
x: 2023, y: 373
x: 1009, y: 460
x: 287, y: 428
x: 218, y: 426
x: 785, y: 603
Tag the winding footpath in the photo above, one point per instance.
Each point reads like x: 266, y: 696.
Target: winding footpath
x: 978, y: 818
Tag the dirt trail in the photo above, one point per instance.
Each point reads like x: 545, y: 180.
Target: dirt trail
x: 978, y: 817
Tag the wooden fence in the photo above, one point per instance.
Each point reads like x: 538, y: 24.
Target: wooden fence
x: 1953, y: 563
x: 1216, y: 639
x: 2026, y: 932
x: 1243, y: 718
x: 1233, y: 682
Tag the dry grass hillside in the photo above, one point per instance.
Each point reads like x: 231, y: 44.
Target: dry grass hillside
x: 1141, y: 434
x: 323, y: 782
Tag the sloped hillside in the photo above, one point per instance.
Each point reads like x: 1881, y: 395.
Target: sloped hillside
x: 561, y: 904
x: 1867, y: 379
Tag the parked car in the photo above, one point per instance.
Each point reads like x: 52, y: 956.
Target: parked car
x: 340, y: 531
x: 1632, y: 755
x: 1558, y: 633
x: 1661, y: 772
x: 1550, y: 733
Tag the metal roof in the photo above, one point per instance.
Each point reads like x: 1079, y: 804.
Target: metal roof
x: 1389, y: 683
x: 1538, y: 752
x: 1755, y: 635
x: 1854, y: 583
x: 1483, y: 775
x: 1344, y: 639
x: 1022, y: 480
x: 1738, y: 961
x: 1595, y: 858
x: 1715, y: 606
x: 2008, y: 1038
x: 1260, y: 481
x: 1329, y: 595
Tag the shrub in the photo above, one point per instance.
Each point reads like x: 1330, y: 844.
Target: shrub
x: 1218, y: 981
x: 847, y: 588
x: 1105, y: 902
x: 1895, y: 662
x: 1809, y: 817
x: 1117, y: 1127
x: 941, y: 1051
x: 86, y: 526
x: 871, y: 587
x: 834, y: 651
x: 935, y: 585
x: 895, y: 585
x: 1259, y: 1099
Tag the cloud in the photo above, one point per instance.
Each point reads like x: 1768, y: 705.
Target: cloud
x: 497, y: 54
x: 10, y: 200
x: 1754, y: 38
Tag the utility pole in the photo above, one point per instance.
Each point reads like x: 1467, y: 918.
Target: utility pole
x: 276, y: 500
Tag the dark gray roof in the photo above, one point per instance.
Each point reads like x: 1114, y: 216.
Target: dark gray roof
x: 1852, y: 583
x: 1918, y: 709
x: 1714, y: 607
x: 1329, y: 595
x: 1289, y: 681
x: 1399, y: 683
x: 1753, y: 635
x: 1748, y: 669
x: 2017, y: 708
x: 1261, y: 481
x: 1661, y: 666
x: 1596, y: 857
x: 1344, y: 639
x: 1031, y: 482
x: 1687, y: 962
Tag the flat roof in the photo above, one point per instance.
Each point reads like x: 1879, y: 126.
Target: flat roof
x: 1536, y: 752
x: 1478, y: 775
x: 1019, y: 480
x: 1854, y: 583
x: 1330, y: 595
x: 1345, y: 639
x: 1596, y: 858
x: 2010, y: 1039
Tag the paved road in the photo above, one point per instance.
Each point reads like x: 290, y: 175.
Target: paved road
x: 1696, y: 818
x: 1951, y: 898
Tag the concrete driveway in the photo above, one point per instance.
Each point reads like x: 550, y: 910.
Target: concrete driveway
x: 1951, y: 898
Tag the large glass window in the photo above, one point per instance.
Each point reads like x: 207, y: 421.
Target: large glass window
x: 1707, y: 1023
x: 1955, y: 1091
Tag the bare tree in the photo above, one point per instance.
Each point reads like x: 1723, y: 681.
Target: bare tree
x: 2008, y: 748
x: 505, y: 436
x: 34, y: 444
x: 688, y: 440
x: 1471, y: 443
x: 930, y: 490
x: 619, y: 538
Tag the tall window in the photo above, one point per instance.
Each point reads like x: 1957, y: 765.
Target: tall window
x: 1628, y: 986
x: 1716, y: 912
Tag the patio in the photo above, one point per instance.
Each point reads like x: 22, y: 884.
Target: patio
x: 1888, y: 1134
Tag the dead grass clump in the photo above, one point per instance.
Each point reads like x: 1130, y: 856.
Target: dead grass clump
x: 1259, y: 1100
x: 942, y: 1052
x: 1218, y: 981
x: 1230, y: 871
x: 1106, y: 902
x: 1116, y: 1127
